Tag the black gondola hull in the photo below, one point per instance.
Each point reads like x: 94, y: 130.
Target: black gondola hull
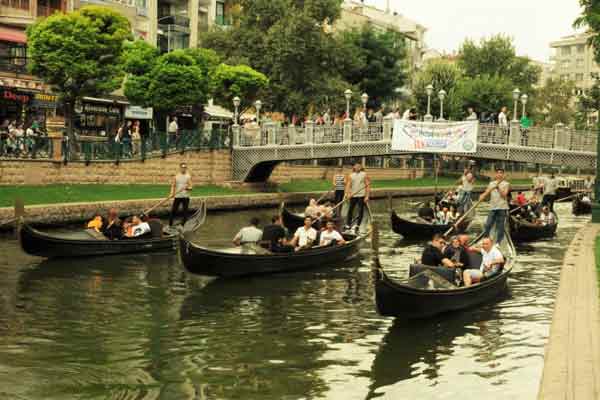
x: 527, y: 232
x: 396, y: 300
x: 417, y: 231
x: 202, y: 261
x: 42, y: 244
x: 581, y: 208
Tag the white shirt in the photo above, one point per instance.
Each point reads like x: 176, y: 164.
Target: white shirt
x: 502, y: 120
x: 141, y: 229
x: 548, y: 219
x: 305, y: 235
x: 406, y: 115
x: 550, y: 186
x: 489, y: 258
x: 173, y: 127
x: 497, y: 202
x: 467, y: 182
x: 472, y: 117
x: 586, y: 199
x: 328, y: 237
x: 249, y: 234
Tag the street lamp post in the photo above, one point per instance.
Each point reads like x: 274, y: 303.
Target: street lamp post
x: 348, y: 95
x: 398, y: 92
x: 258, y: 105
x: 516, y: 95
x: 365, y: 99
x: 429, y: 89
x: 442, y: 96
x: 236, y: 105
x: 524, y: 99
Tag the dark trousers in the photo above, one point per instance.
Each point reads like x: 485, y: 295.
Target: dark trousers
x: 339, y: 197
x: 548, y: 200
x: 361, y: 210
x: 496, y: 218
x: 185, y: 202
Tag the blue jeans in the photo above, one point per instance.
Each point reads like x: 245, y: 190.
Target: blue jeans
x: 496, y: 218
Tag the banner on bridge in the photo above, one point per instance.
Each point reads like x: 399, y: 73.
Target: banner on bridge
x: 435, y: 137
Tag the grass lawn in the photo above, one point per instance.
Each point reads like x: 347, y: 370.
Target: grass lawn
x: 87, y: 193
x: 52, y: 194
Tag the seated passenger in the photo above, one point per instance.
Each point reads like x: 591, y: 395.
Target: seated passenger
x: 453, y: 215
x: 330, y: 235
x: 249, y: 234
x: 520, y: 200
x: 96, y: 223
x: 433, y: 254
x: 547, y: 217
x: 426, y: 212
x: 113, y: 229
x: 137, y: 228
x: 442, y: 217
x: 305, y: 236
x: 313, y: 210
x: 274, y: 234
x: 586, y: 199
x: 326, y: 210
x: 456, y: 253
x: 491, y: 264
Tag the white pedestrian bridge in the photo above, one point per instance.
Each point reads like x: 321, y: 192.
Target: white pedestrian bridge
x: 258, y: 149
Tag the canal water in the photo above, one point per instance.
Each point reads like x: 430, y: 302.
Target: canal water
x: 140, y: 327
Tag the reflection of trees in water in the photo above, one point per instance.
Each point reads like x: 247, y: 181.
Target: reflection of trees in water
x: 265, y: 337
x: 419, y: 347
x: 94, y: 327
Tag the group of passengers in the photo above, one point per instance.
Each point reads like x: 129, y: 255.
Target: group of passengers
x: 455, y: 255
x: 113, y: 228
x: 316, y: 210
x: 532, y: 210
x: 445, y: 213
x: 274, y: 236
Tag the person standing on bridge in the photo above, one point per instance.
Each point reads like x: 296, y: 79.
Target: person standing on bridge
x: 503, y: 124
x: 358, y: 189
x: 180, y: 190
x: 498, y: 191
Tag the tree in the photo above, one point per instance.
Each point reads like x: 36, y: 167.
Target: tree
x: 590, y: 18
x: 240, y: 80
x: 588, y: 103
x: 555, y: 102
x: 496, y: 56
x: 375, y: 62
x: 178, y: 78
x: 484, y: 93
x: 442, y: 74
x: 79, y: 54
x: 286, y: 40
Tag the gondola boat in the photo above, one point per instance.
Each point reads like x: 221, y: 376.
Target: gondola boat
x: 525, y: 231
x: 294, y: 221
x: 83, y: 243
x: 427, y: 294
x: 581, y: 207
x: 413, y: 230
x: 242, y: 261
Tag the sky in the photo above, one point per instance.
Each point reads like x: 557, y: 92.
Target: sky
x: 533, y: 24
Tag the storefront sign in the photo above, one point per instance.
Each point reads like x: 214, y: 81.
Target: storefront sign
x: 89, y: 108
x: 44, y: 100
x: 136, y: 112
x: 13, y: 95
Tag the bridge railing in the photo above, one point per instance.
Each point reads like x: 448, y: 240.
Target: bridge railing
x: 558, y: 137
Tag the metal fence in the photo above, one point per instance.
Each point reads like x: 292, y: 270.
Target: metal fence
x: 30, y: 147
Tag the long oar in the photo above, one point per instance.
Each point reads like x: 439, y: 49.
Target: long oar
x: 163, y: 201
x: 320, y: 199
x: 461, y: 219
x: 375, y: 246
x: 342, y: 202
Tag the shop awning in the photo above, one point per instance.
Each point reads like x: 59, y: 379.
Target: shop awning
x: 12, y: 35
x: 218, y: 112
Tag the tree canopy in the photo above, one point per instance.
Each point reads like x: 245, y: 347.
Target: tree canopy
x: 442, y: 74
x: 555, y: 102
x: 238, y: 80
x: 79, y: 53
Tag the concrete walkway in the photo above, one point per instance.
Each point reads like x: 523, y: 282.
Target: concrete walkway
x: 572, y: 362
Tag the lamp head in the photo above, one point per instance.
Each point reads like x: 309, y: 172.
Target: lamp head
x: 516, y: 94
x: 236, y: 101
x: 258, y: 105
x: 442, y: 94
x: 348, y: 94
x: 364, y: 98
x: 524, y: 99
x: 429, y: 89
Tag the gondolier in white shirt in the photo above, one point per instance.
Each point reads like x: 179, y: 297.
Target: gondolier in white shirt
x: 467, y: 181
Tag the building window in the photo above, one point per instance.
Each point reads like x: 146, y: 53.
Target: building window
x: 565, y: 51
x: 564, y: 77
x: 578, y: 77
x: 581, y: 48
x: 579, y: 63
x: 566, y: 64
x: 220, y: 12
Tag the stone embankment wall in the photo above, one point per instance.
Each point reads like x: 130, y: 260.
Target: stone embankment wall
x: 285, y: 173
x: 208, y: 167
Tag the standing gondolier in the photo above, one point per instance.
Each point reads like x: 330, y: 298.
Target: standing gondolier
x: 467, y: 181
x: 358, y: 189
x: 550, y: 187
x: 180, y: 190
x: 498, y: 191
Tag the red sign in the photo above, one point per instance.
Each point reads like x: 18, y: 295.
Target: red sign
x: 10, y: 95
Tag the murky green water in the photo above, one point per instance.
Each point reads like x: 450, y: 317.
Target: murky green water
x: 140, y: 327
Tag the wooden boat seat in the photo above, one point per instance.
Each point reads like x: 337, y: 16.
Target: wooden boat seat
x: 431, y: 280
x: 95, y: 234
x: 447, y: 273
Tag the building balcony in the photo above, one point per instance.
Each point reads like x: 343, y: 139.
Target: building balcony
x: 174, y: 20
x: 13, y: 65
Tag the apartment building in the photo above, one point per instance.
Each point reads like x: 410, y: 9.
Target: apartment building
x: 573, y: 59
x: 356, y: 14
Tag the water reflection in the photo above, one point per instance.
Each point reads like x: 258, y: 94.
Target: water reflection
x: 140, y: 327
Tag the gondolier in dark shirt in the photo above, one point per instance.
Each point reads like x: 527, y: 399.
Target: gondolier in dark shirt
x: 358, y: 189
x: 180, y: 190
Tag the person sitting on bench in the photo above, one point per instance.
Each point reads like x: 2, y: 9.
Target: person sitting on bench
x: 491, y: 264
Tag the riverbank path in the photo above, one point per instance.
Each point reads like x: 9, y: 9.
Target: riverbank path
x: 572, y: 361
